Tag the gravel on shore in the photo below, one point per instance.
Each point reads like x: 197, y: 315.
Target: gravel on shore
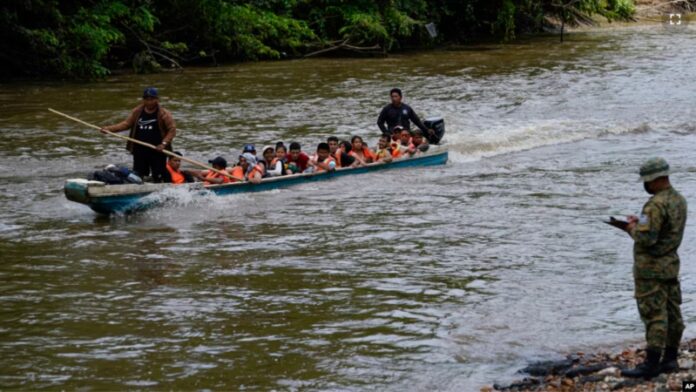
x: 600, y: 372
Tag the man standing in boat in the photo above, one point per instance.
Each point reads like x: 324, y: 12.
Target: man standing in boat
x: 150, y: 123
x: 398, y: 113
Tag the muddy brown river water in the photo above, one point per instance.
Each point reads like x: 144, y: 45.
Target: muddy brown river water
x: 444, y: 278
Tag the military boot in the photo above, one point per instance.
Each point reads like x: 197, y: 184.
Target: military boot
x: 648, y: 369
x: 669, y: 362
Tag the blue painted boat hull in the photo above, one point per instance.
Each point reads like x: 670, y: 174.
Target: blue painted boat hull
x: 108, y: 199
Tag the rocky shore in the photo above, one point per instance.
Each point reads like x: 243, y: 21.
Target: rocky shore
x: 600, y: 372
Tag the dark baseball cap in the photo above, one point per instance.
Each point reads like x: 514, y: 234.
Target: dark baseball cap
x: 219, y: 161
x: 150, y: 92
x: 249, y: 148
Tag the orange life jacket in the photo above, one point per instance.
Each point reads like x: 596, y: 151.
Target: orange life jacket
x: 396, y: 149
x: 367, y: 154
x: 211, y: 174
x: 337, y: 157
x: 177, y: 176
x: 327, y: 161
x: 237, y: 172
x: 259, y: 168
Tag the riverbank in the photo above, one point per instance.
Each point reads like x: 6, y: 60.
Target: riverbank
x: 91, y: 40
x: 438, y: 280
x: 600, y: 371
x: 651, y: 9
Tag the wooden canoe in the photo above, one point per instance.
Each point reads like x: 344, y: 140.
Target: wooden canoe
x: 108, y: 199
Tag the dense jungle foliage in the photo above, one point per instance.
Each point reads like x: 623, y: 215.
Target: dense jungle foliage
x: 71, y: 38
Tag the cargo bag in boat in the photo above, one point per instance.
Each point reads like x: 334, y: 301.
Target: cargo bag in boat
x: 114, y: 175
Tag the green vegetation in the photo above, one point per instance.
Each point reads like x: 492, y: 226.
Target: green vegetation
x: 75, y: 38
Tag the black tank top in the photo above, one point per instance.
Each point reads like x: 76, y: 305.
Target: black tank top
x: 147, y: 128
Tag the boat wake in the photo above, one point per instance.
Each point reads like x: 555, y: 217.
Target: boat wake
x: 182, y: 196
x: 468, y: 145
x: 181, y: 203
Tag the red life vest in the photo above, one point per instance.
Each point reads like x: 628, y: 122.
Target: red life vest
x: 177, y: 176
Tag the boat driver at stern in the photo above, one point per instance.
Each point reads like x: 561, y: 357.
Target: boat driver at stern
x: 398, y: 113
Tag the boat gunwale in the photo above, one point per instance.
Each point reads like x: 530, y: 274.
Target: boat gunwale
x: 104, y: 191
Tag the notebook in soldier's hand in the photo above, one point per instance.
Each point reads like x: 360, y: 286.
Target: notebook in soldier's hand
x: 619, y: 224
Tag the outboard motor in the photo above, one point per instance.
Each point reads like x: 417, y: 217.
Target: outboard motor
x: 438, y: 125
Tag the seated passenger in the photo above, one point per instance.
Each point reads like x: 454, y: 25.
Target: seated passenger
x: 404, y: 139
x: 174, y: 174
x: 296, y: 159
x: 252, y: 170
x: 360, y: 152
x: 384, y: 151
x: 274, y: 166
x: 249, y: 148
x: 332, y: 141
x: 343, y: 157
x: 281, y: 153
x: 267, y: 155
x: 322, y: 161
x: 395, y: 149
x: 396, y: 133
x: 419, y: 143
x: 210, y: 177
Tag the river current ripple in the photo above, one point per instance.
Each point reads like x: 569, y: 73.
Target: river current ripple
x: 443, y: 278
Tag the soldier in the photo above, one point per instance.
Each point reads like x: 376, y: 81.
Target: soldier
x: 657, y: 233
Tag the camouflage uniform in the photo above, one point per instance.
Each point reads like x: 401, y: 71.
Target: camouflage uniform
x: 657, y: 236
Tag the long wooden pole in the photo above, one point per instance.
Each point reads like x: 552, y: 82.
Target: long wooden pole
x: 171, y: 154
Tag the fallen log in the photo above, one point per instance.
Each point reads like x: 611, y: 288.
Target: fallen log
x: 336, y: 45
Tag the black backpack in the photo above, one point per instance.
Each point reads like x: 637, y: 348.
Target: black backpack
x: 106, y: 176
x: 115, y: 175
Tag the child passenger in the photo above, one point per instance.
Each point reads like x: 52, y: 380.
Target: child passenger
x: 322, y: 161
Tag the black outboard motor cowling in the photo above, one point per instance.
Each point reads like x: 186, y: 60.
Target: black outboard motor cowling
x: 438, y: 125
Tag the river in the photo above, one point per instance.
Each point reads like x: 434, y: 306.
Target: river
x: 445, y: 278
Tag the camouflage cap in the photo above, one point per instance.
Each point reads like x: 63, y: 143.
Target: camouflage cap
x: 653, y: 168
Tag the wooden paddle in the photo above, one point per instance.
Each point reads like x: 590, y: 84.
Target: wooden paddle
x: 171, y: 154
